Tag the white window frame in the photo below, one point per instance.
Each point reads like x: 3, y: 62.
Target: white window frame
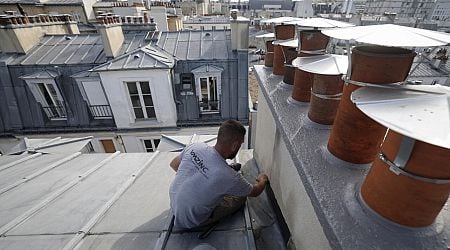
x: 207, y: 71
x: 39, y: 96
x: 152, y: 141
x: 208, y: 93
x: 141, y: 100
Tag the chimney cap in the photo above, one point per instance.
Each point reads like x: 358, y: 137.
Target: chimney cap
x: 409, y: 110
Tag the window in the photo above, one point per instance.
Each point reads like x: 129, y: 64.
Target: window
x: 51, y: 100
x: 186, y: 82
x: 151, y: 145
x: 208, y: 87
x: 94, y: 95
x: 141, y: 100
x: 208, y: 94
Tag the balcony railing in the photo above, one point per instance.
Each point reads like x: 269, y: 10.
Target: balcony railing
x: 209, y: 106
x: 55, y: 112
x: 101, y: 111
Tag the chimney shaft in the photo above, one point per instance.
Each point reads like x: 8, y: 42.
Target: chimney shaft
x: 110, y: 30
x: 20, y: 33
x: 239, y: 32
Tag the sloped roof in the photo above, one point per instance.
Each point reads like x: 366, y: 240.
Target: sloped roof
x: 83, y: 74
x: 51, y: 145
x: 75, y: 49
x: 44, y: 74
x: 207, y: 68
x: 58, y: 2
x: 112, y: 201
x: 197, y: 45
x: 147, y: 57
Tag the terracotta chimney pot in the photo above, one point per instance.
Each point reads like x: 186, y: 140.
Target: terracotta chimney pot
x: 355, y: 137
x: 403, y: 199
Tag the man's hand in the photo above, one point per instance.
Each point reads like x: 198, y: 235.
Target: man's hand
x: 175, y: 163
x: 259, y: 186
x: 262, y: 178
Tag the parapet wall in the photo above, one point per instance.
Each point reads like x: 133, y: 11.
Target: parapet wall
x: 318, y: 194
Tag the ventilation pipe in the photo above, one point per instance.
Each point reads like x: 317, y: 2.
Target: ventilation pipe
x: 312, y: 42
x: 355, y: 137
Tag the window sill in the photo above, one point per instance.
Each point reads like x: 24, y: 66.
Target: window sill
x: 138, y: 123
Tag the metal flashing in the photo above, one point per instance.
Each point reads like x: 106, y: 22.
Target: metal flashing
x: 328, y: 64
x: 409, y: 110
x: 390, y: 35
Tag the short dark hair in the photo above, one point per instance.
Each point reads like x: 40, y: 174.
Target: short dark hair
x: 230, y: 131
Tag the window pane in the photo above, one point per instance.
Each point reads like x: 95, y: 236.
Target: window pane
x: 45, y: 94
x: 151, y: 112
x: 148, y: 143
x: 132, y: 89
x: 156, y: 142
x: 138, y: 113
x: 135, y: 101
x: 145, y: 88
x: 148, y: 100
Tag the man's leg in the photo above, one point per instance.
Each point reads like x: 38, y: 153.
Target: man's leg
x: 229, y: 205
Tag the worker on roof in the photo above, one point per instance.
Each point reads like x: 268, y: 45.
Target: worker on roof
x: 206, y: 188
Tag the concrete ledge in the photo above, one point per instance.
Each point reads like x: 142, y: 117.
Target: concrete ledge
x: 318, y: 193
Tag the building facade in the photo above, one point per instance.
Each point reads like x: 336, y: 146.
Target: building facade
x: 124, y: 87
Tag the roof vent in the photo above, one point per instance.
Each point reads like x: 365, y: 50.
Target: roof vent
x: 208, y: 34
x: 137, y: 56
x: 68, y: 38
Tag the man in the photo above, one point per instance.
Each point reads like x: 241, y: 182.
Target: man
x: 205, y: 188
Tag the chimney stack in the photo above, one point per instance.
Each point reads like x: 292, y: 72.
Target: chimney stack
x: 110, y: 29
x: 20, y: 33
x: 239, y: 31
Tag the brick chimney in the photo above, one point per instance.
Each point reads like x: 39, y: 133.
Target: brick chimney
x: 110, y: 29
x: 18, y: 34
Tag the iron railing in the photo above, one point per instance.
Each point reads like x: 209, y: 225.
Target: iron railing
x: 101, y: 111
x: 209, y: 106
x: 54, y: 112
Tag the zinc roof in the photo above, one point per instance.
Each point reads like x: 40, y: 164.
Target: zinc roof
x: 197, y: 45
x: 109, y: 201
x: 75, y: 49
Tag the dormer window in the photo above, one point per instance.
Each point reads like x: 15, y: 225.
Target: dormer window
x: 141, y: 100
x: 44, y: 89
x: 208, y: 88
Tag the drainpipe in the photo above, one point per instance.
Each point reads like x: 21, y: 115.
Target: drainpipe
x: 355, y: 137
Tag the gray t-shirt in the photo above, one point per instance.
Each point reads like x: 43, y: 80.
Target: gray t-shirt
x: 202, y: 180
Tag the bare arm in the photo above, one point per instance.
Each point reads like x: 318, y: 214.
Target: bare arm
x: 175, y: 163
x: 259, y: 186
